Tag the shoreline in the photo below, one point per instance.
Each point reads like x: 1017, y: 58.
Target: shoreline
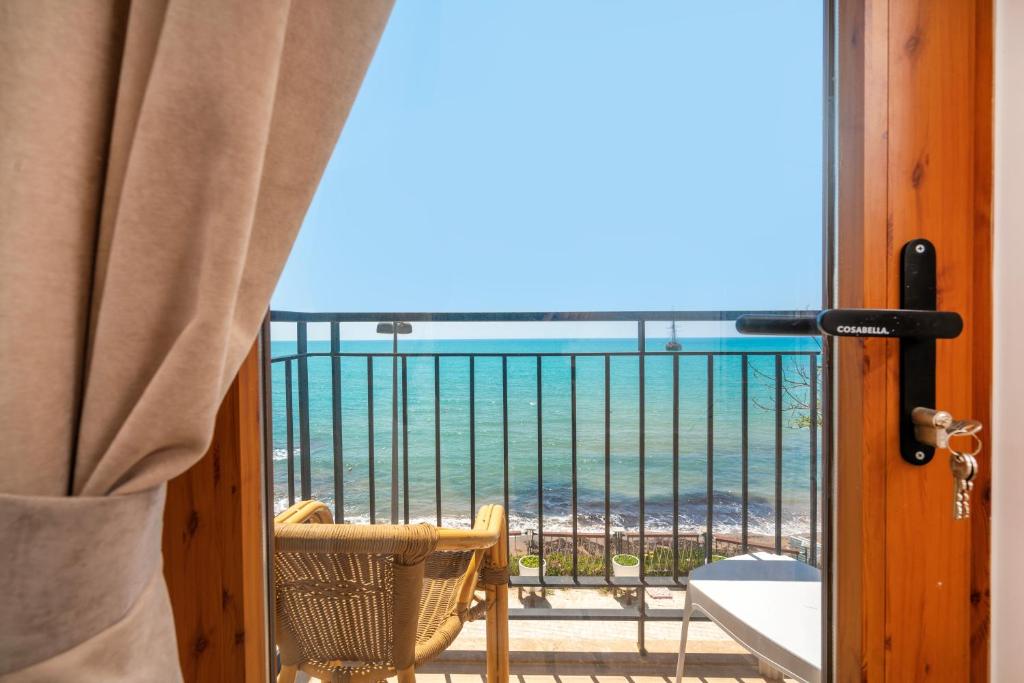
x: 797, y: 524
x: 519, y: 542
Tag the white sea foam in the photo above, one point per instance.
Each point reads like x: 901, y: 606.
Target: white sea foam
x: 792, y: 525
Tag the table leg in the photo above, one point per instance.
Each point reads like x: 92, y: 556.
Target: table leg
x: 681, y: 662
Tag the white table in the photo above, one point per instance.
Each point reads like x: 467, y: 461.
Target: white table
x: 769, y: 604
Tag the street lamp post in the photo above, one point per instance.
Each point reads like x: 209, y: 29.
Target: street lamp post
x: 394, y: 329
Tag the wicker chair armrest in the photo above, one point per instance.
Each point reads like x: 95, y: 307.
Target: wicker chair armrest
x: 489, y: 526
x: 489, y: 578
x: 305, y: 511
x: 485, y: 538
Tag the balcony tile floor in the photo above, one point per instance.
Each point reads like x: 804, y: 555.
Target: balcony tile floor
x: 597, y: 652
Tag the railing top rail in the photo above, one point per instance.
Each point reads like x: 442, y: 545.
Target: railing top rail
x: 528, y: 354
x: 522, y: 316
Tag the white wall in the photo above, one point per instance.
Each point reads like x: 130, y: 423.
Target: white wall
x: 1007, y: 439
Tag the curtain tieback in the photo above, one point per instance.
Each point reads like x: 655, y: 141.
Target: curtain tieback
x: 71, y: 567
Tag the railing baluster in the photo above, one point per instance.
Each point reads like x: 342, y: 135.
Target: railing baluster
x: 642, y: 594
x: 405, y: 436
x: 607, y: 468
x: 472, y: 438
x: 642, y: 440
x: 504, y: 439
x: 540, y: 472
x: 778, y: 454
x: 745, y: 452
x: 814, y: 458
x: 336, y: 424
x: 289, y: 430
x: 709, y: 540
x: 575, y: 525
x: 393, y: 495
x: 304, y: 464
x: 675, y: 468
x: 437, y: 436
x: 370, y: 440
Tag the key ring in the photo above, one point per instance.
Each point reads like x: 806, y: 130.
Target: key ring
x: 970, y: 430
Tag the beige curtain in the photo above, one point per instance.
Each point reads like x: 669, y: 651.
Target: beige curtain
x: 156, y: 160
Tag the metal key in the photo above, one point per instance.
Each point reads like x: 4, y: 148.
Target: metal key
x: 937, y: 428
x: 964, y: 467
x: 962, y: 428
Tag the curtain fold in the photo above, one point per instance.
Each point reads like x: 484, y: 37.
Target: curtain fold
x: 156, y: 160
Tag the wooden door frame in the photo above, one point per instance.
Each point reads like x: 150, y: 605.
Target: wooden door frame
x: 914, y: 160
x: 215, y: 544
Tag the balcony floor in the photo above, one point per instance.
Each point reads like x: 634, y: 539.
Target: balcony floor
x: 597, y: 652
x: 556, y: 651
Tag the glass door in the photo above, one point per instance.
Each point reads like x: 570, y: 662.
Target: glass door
x: 518, y: 285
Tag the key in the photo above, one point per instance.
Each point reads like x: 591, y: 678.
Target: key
x: 962, y: 428
x: 963, y: 464
x: 938, y: 429
x: 964, y: 467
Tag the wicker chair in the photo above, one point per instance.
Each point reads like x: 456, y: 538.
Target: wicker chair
x: 363, y: 602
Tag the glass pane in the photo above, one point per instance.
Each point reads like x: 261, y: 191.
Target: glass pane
x: 571, y: 203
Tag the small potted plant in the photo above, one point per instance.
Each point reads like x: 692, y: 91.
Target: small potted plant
x: 625, y: 565
x: 529, y: 565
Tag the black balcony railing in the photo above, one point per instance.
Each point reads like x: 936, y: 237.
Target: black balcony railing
x: 786, y: 380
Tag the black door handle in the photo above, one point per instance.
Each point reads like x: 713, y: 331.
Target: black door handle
x: 917, y: 325
x: 857, y: 322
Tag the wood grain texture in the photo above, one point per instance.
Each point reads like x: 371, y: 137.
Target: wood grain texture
x: 931, y: 169
x: 213, y: 546
x: 254, y: 511
x: 981, y: 544
x: 982, y: 356
x: 862, y: 424
x: 911, y: 595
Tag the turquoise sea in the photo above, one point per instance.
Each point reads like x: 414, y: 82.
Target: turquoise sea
x: 557, y: 437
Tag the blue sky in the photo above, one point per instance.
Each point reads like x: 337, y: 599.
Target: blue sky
x: 575, y: 155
